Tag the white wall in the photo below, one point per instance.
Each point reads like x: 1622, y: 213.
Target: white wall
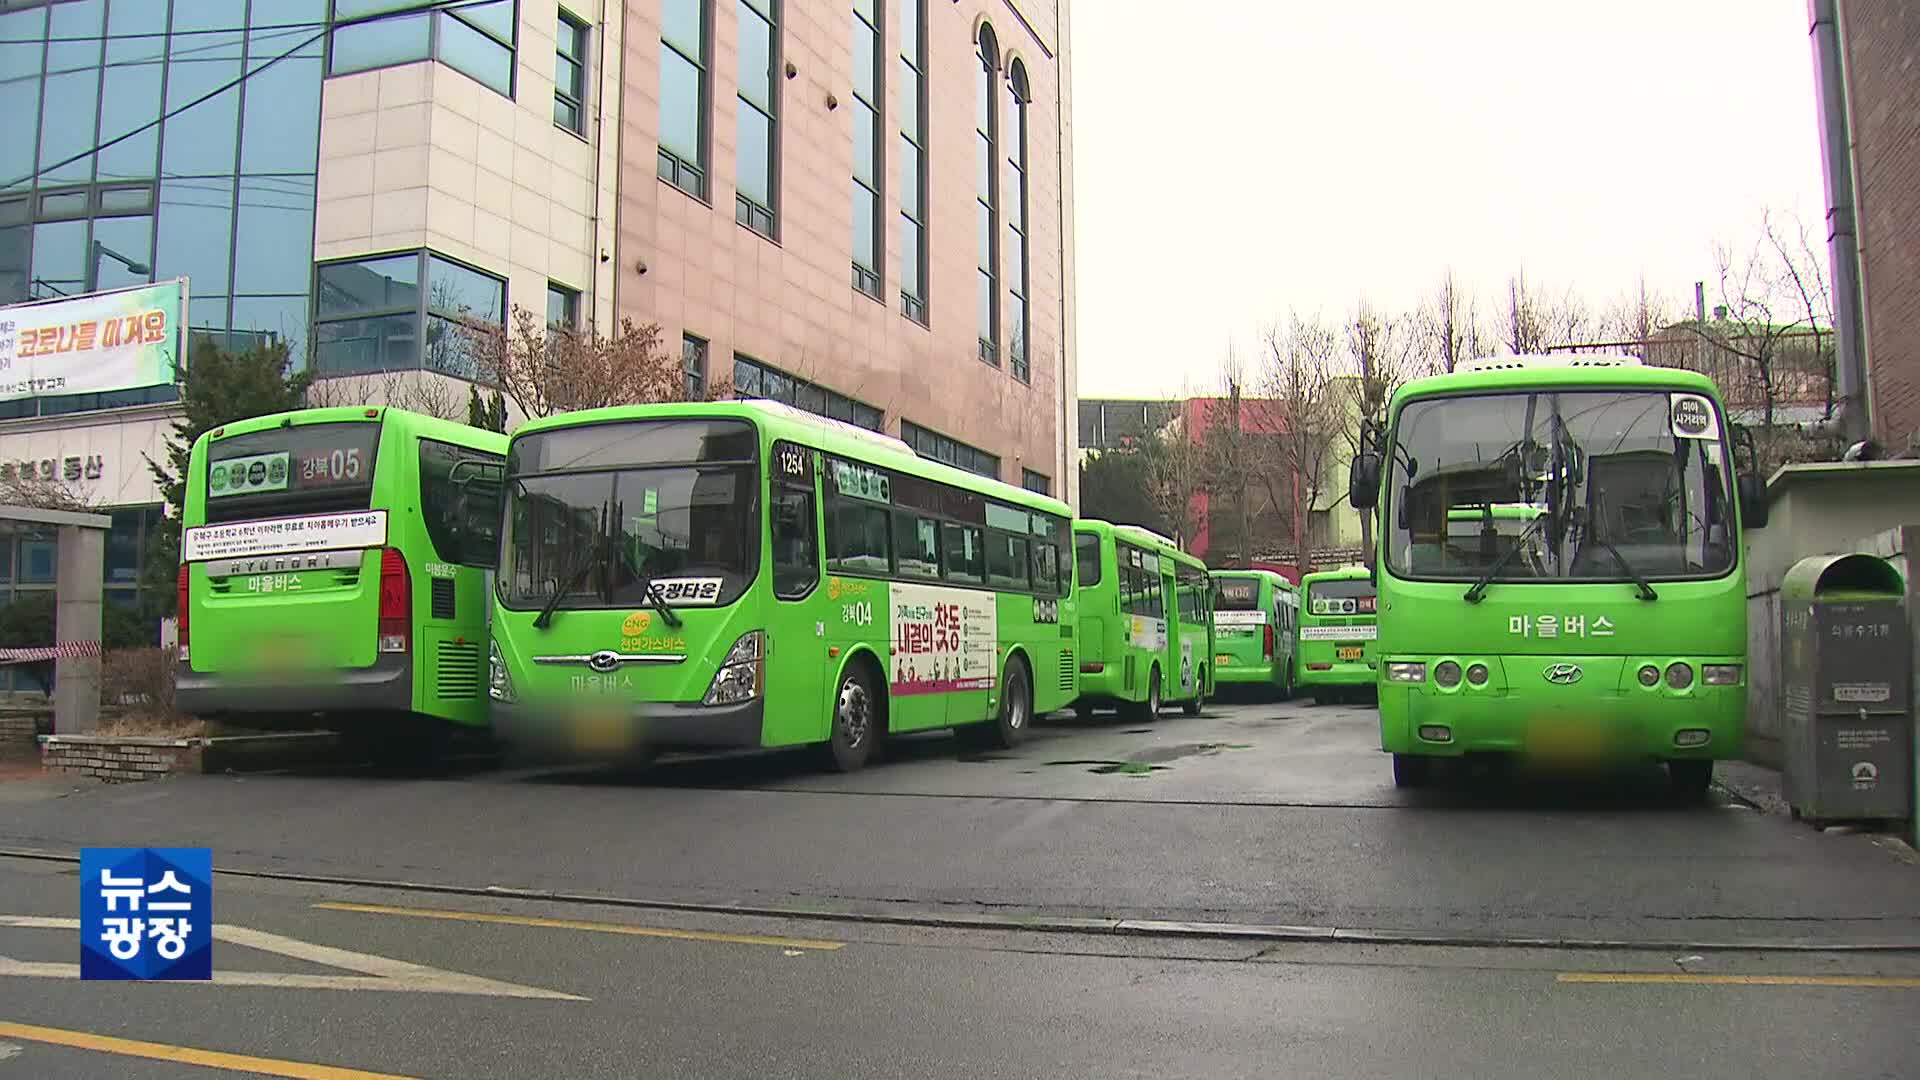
x: 115, y: 443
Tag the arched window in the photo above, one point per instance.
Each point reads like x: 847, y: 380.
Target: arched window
x: 987, y: 192
x: 1018, y: 318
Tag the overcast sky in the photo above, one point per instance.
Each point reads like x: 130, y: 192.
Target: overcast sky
x: 1234, y: 159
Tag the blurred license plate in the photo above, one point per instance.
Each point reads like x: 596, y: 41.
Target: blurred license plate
x: 1347, y: 652
x: 1222, y: 659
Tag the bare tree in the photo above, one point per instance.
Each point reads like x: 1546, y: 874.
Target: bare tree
x: 28, y: 488
x: 1526, y: 321
x: 1382, y: 349
x: 1176, y: 472
x: 1634, y: 318
x: 1297, y: 374
x: 1450, y: 323
x: 1770, y: 342
x: 545, y: 370
x: 415, y: 391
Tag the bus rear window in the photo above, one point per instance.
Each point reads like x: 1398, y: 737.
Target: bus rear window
x: 1086, y: 558
x: 1235, y: 594
x: 292, y: 469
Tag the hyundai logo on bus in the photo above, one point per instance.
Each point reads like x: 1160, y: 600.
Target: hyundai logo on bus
x: 604, y: 660
x: 1562, y: 674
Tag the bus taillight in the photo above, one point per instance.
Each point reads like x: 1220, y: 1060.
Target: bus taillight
x: 1266, y: 643
x: 396, y: 602
x: 182, y: 621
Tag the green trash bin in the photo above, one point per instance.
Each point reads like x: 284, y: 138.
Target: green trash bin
x: 1847, y: 682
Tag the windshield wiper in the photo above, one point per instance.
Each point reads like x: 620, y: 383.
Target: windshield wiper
x: 649, y: 592
x: 1479, y: 588
x: 1646, y: 590
x: 578, y: 575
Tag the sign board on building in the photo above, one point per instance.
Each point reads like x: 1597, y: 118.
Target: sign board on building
x: 120, y: 340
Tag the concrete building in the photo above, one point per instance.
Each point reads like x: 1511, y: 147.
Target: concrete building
x: 348, y: 176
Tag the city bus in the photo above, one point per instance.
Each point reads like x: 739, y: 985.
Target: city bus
x: 1612, y: 625
x: 1335, y: 651
x: 1146, y: 621
x: 333, y: 564
x: 665, y: 571
x: 1255, y: 616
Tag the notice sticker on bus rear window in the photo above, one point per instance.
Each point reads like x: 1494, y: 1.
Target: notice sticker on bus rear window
x: 1692, y: 416
x: 281, y: 536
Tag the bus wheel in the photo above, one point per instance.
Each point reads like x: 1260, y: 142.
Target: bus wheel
x: 856, y: 718
x: 1411, y: 770
x: 1150, y: 708
x: 1690, y: 778
x: 1199, y: 701
x: 1011, y: 723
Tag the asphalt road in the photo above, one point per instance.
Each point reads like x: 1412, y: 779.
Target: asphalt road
x: 1257, y: 814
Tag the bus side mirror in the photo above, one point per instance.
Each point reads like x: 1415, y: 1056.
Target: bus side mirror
x: 1753, y: 500
x: 1363, y: 480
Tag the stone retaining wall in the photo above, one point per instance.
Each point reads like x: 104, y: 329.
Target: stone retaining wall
x: 17, y: 732
x: 118, y: 759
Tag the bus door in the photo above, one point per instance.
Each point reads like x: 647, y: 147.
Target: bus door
x: 797, y: 656
x: 1177, y: 663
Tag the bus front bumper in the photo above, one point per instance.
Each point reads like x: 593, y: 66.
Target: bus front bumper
x: 588, y: 729
x: 387, y: 686
x: 1616, y: 719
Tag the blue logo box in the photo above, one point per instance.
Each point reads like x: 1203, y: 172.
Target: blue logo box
x: 146, y: 913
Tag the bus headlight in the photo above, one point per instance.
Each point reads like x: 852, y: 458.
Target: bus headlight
x: 499, y: 683
x: 742, y: 673
x: 1720, y: 674
x: 1407, y: 671
x: 1447, y: 674
x: 1679, y: 675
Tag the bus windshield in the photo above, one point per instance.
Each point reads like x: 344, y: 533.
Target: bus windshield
x: 601, y: 537
x: 291, y: 469
x: 1236, y: 594
x: 1338, y: 597
x: 1588, y: 485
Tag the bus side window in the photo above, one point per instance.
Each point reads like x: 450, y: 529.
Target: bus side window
x: 857, y: 537
x: 796, y: 551
x: 965, y: 555
x: 916, y: 544
x: 1046, y: 569
x: 1086, y: 559
x: 460, y: 502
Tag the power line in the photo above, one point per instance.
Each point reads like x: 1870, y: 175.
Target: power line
x: 448, y: 5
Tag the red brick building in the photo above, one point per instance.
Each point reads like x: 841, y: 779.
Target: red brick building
x: 1880, y: 47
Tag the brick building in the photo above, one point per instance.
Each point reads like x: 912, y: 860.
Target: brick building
x: 1880, y: 48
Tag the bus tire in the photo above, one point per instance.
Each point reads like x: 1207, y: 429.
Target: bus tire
x: 1148, y: 710
x: 857, y: 720
x: 1198, y: 702
x: 1014, y: 718
x: 1690, y: 777
x: 1411, y: 770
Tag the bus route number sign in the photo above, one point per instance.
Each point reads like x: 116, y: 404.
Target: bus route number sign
x: 793, y: 462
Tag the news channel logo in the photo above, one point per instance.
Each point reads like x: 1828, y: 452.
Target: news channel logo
x: 146, y: 913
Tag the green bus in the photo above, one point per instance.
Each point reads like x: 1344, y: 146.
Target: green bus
x: 1256, y: 614
x: 1146, y: 621
x: 664, y: 569
x: 1335, y: 655
x: 1612, y: 624
x: 333, y: 563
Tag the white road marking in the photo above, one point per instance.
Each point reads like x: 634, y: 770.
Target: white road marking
x: 8, y: 1050
x: 373, y: 972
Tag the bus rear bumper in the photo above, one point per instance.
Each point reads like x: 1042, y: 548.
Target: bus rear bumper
x: 1706, y: 722
x: 605, y: 733
x: 1240, y: 676
x: 387, y: 686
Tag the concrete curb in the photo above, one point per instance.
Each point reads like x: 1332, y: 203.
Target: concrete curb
x: 139, y: 757
x: 1053, y: 924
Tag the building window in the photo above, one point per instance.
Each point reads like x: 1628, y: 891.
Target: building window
x: 240, y: 163
x: 1019, y: 319
x: 869, y: 151
x: 570, y: 74
x: 753, y: 379
x: 683, y: 95
x: 563, y: 306
x: 693, y: 362
x: 913, y: 159
x: 759, y: 132
x: 932, y: 444
x: 375, y: 315
x: 1035, y: 481
x: 986, y: 133
x: 476, y: 39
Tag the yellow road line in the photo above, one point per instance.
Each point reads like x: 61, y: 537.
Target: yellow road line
x: 594, y: 927
x: 186, y: 1055
x: 1870, y: 982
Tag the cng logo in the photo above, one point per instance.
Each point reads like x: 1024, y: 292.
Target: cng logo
x: 1562, y: 674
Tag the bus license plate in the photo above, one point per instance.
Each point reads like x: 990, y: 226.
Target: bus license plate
x: 1347, y: 652
x: 1222, y: 659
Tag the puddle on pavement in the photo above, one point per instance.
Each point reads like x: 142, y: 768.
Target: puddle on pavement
x: 1138, y: 731
x: 1150, y: 761
x: 976, y: 758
